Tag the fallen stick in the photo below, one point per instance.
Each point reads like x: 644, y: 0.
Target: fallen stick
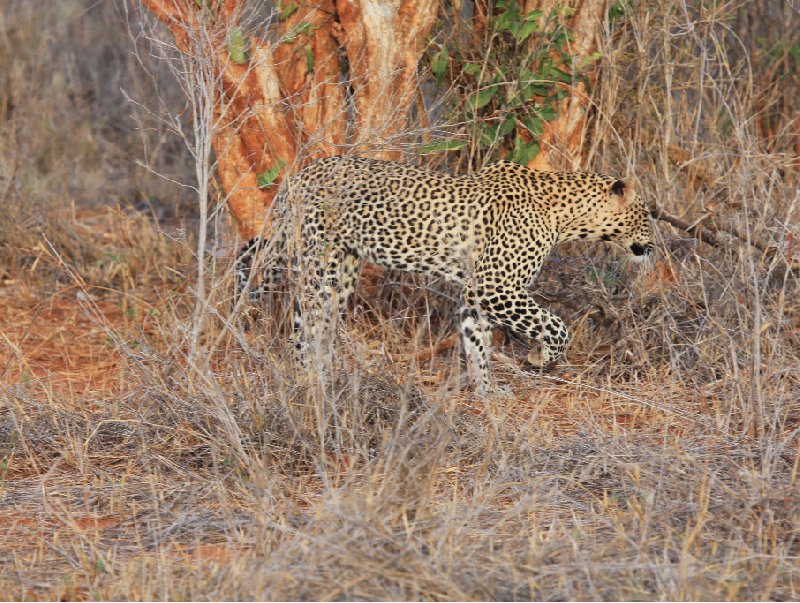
x: 709, y: 236
x: 695, y: 230
x: 437, y: 349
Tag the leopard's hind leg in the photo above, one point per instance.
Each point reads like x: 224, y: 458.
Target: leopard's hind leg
x: 328, y: 278
x: 476, y: 337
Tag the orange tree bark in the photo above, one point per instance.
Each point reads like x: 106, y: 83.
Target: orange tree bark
x: 284, y: 104
x: 384, y: 40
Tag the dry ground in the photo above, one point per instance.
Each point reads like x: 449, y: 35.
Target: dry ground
x: 128, y: 473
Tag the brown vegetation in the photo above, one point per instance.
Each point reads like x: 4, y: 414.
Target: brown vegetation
x: 660, y: 461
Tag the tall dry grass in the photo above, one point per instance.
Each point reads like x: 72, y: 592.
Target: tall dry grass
x: 660, y: 462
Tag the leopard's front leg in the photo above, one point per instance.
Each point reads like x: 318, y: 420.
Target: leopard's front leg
x: 500, y: 290
x: 517, y: 311
x: 553, y: 341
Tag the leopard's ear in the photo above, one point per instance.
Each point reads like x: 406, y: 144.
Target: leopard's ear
x: 622, y: 193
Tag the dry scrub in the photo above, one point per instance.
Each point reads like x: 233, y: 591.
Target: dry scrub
x: 660, y: 462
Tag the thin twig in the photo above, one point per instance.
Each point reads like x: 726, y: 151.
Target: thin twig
x: 708, y: 236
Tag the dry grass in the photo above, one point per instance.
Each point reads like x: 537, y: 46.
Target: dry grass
x: 660, y: 462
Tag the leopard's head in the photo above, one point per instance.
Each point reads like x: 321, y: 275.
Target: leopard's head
x: 623, y: 219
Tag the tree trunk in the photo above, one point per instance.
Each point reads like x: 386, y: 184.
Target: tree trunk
x: 284, y: 103
x: 384, y: 40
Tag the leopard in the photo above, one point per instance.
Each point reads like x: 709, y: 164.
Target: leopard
x: 488, y: 231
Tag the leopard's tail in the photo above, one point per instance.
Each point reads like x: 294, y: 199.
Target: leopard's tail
x: 243, y: 267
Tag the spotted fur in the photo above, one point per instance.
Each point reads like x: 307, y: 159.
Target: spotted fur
x: 489, y: 231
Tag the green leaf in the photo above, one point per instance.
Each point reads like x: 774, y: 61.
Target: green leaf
x: 545, y: 65
x: 439, y: 64
x: 560, y: 38
x: 487, y: 135
x: 525, y: 30
x: 534, y: 15
x: 532, y: 90
x: 268, y: 177
x: 472, y: 69
x: 304, y: 27
x: 310, y: 63
x: 617, y: 11
x: 547, y: 112
x: 507, y: 126
x: 586, y: 61
x: 513, y: 101
x: 482, y: 97
x: 524, y: 152
x: 286, y: 11
x: 609, y: 277
x: 509, y: 19
x: 447, y: 144
x: 560, y: 75
x: 237, y: 46
x: 534, y: 124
